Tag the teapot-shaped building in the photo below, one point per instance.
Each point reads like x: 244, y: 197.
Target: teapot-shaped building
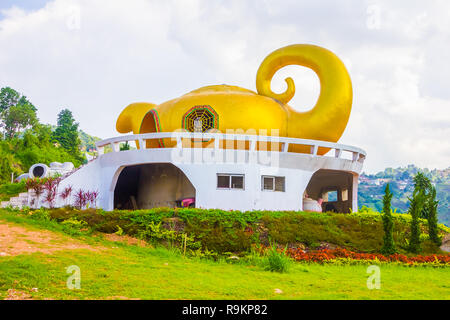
x: 231, y: 148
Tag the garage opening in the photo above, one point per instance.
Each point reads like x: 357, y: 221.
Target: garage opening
x: 155, y: 185
x: 331, y: 190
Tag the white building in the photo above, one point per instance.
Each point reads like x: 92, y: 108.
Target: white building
x: 220, y: 178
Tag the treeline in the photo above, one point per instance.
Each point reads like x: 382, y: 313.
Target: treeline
x: 401, y: 182
x: 422, y: 206
x: 25, y: 141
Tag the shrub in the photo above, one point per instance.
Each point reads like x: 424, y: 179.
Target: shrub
x: 432, y: 217
x: 65, y: 194
x: 388, y: 225
x: 237, y: 232
x: 276, y: 260
x: 9, y: 190
x: 416, y: 205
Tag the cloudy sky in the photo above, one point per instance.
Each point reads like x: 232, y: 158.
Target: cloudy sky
x: 97, y: 56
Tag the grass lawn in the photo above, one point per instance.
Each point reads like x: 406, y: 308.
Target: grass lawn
x: 115, y: 270
x: 122, y: 271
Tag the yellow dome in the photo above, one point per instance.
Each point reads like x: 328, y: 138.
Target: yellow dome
x: 224, y: 108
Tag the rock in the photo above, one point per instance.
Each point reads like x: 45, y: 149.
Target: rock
x: 297, y: 245
x: 326, y: 245
x: 446, y: 243
x: 278, y: 291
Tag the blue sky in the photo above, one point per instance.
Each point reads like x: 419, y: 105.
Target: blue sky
x: 25, y: 4
x: 96, y: 56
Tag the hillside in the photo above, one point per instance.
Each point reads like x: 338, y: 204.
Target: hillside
x: 87, y: 141
x: 371, y: 189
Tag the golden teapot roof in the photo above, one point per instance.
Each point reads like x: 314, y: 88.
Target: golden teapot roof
x: 225, y: 107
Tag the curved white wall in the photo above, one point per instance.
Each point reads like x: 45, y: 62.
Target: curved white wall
x: 101, y: 174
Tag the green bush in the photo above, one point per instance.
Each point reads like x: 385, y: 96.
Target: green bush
x: 236, y: 232
x: 276, y: 261
x: 9, y: 190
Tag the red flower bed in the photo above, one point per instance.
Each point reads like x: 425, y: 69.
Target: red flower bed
x: 327, y: 255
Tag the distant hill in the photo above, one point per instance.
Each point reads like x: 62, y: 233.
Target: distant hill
x: 371, y: 189
x: 87, y: 141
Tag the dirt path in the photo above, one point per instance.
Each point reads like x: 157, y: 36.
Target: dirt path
x: 15, y: 240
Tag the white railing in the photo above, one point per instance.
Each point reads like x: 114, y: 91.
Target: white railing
x: 357, y: 153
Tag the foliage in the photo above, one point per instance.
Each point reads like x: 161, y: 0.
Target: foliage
x: 121, y: 271
x: 87, y: 141
x: 9, y: 190
x: 125, y: 146
x: 432, y: 217
x: 18, y: 117
x: 237, y: 232
x: 341, y: 255
x: 65, y: 194
x: 51, y: 187
x: 33, y: 146
x: 388, y: 224
x: 8, y: 98
x: 423, y: 184
x: 16, y: 112
x: 85, y: 199
x: 401, y: 183
x: 26, y: 141
x: 417, y: 203
x: 276, y: 260
x: 66, y: 133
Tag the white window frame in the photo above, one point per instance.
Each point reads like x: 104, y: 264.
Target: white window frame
x: 274, y: 181
x: 230, y: 175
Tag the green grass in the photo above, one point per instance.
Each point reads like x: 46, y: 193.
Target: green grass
x: 9, y: 190
x: 158, y: 273
x: 146, y: 273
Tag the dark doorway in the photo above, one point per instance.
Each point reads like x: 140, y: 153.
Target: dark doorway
x: 150, y: 186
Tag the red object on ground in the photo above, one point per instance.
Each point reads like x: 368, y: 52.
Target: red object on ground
x: 188, y: 202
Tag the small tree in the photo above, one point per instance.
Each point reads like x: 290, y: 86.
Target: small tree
x: 66, y: 194
x: 51, y: 186
x: 388, y: 224
x: 416, y: 205
x: 125, y: 146
x: 422, y: 183
x: 37, y: 186
x: 66, y: 133
x: 432, y: 205
x: 18, y: 117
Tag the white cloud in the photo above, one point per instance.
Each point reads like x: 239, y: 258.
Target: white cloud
x: 97, y: 56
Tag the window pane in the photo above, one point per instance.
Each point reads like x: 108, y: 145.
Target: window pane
x: 332, y: 196
x: 268, y: 183
x: 279, y: 184
x: 344, y: 195
x: 223, y: 182
x: 237, y: 182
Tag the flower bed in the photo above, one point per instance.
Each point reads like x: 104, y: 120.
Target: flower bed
x: 342, y: 255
